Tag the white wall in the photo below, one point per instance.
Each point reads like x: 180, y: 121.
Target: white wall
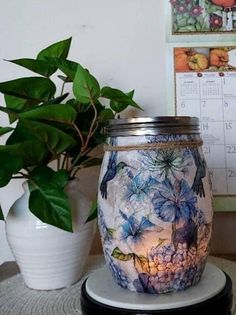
x: 121, y: 42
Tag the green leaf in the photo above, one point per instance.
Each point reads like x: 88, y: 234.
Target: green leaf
x: 118, y: 254
x: 99, y: 137
x: 119, y: 107
x: 93, y: 212
x: 31, y: 88
x: 18, y: 105
x: 188, y: 28
x: 29, y: 152
x: 10, y: 164
x: 198, y: 27
x: 214, y: 9
x: 19, y: 135
x: 59, y: 50
x: 79, y: 107
x: 110, y: 232
x: 141, y: 264
x: 43, y: 174
x: 130, y: 94
x: 191, y: 21
x: 182, y: 22
x: 68, y: 67
x: 105, y: 115
x: 56, y: 140
x: 118, y: 96
x: 14, y: 114
x: 15, y: 103
x: 4, y: 130
x: 61, y: 177
x: 48, y: 201
x: 57, y: 100
x: 62, y: 113
x: 39, y: 66
x: 85, y: 87
x: 1, y: 214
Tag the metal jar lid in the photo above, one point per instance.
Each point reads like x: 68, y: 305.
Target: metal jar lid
x: 151, y: 126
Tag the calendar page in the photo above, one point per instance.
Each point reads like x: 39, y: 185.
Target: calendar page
x: 205, y: 82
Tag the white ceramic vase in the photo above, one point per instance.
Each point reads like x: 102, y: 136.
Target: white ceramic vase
x: 48, y: 257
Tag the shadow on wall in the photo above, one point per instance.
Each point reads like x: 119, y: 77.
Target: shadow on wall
x: 224, y: 233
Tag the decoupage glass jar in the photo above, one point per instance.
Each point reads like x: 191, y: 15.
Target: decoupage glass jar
x: 155, y: 203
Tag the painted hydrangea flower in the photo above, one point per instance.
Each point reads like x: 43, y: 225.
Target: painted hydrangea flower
x: 201, y: 218
x: 167, y: 162
x: 172, y: 202
x: 166, y: 282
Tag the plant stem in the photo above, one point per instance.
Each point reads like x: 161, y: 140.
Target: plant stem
x: 23, y: 174
x: 82, y: 165
x: 77, y: 158
x: 74, y: 171
x: 64, y: 161
x: 91, y: 131
x: 16, y: 177
x: 67, y: 163
x: 79, y: 133
x: 62, y: 88
x: 58, y: 162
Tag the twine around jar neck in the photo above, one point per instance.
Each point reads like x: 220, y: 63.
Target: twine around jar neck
x: 156, y: 145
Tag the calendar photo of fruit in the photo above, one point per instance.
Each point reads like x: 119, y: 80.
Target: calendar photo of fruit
x: 199, y: 16
x: 205, y: 59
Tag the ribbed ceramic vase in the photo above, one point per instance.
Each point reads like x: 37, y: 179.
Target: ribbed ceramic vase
x: 155, y: 203
x: 48, y: 257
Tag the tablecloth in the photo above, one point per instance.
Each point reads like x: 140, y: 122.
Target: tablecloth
x: 17, y: 299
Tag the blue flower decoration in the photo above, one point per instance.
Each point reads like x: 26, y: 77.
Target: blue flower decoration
x: 134, y: 229
x: 144, y: 285
x: 167, y: 162
x: 164, y: 283
x: 138, y: 188
x: 118, y: 274
x: 172, y: 202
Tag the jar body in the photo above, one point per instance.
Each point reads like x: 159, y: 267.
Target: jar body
x: 155, y: 213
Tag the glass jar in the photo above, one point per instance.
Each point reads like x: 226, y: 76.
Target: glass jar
x: 155, y: 203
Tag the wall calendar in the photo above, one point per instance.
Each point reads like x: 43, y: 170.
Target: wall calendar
x: 205, y: 86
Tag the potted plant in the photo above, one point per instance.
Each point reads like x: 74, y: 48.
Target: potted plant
x: 52, y: 136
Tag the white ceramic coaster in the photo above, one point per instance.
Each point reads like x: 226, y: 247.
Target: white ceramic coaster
x: 101, y: 287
